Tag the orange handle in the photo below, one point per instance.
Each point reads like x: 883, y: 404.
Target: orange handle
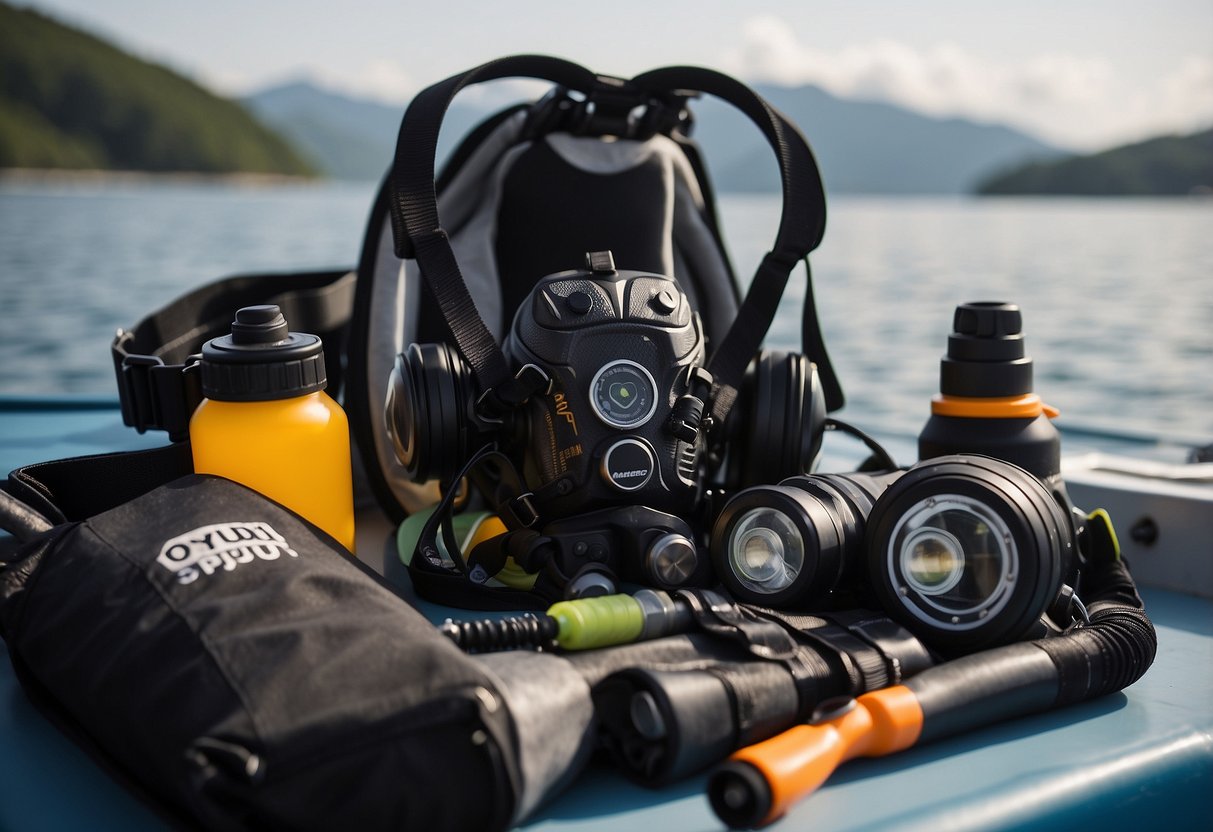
x: 794, y: 763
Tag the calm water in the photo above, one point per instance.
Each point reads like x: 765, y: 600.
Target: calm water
x: 1117, y: 296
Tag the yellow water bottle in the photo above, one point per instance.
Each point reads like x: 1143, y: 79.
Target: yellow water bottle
x: 266, y: 422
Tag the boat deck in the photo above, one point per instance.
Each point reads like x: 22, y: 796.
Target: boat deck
x: 1142, y: 758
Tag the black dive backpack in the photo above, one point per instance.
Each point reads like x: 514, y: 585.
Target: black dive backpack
x: 598, y: 163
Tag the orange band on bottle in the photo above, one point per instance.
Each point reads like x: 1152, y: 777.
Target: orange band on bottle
x: 1027, y: 406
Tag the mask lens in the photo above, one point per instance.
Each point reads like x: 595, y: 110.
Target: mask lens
x: 956, y: 557
x: 766, y: 551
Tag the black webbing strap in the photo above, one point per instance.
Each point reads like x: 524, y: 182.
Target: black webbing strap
x: 874, y: 650
x: 762, y: 637
x: 801, y: 229
x: 149, y: 360
x: 458, y: 585
x: 418, y: 232
x: 65, y: 490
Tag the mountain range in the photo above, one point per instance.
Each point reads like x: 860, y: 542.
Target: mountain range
x: 861, y: 146
x: 71, y: 100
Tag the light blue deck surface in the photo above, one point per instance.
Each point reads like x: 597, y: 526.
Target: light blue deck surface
x: 1141, y: 759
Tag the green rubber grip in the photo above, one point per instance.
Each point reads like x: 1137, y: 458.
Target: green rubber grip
x: 597, y: 622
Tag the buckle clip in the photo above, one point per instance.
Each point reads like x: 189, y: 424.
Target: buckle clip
x: 497, y: 401
x: 520, y: 512
x: 154, y: 395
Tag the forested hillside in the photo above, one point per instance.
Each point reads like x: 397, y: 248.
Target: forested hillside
x: 69, y: 100
x: 1166, y: 166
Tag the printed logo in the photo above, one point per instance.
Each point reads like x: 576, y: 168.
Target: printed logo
x: 478, y: 574
x: 563, y: 409
x: 222, y: 546
x: 623, y: 393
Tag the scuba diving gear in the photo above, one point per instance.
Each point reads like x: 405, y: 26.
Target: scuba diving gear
x: 266, y: 422
x: 970, y: 552
x: 662, y: 720
x: 599, y: 160
x: 605, y: 355
x: 611, y: 436
x: 666, y: 714
x: 1110, y: 652
x: 794, y: 544
x: 966, y: 551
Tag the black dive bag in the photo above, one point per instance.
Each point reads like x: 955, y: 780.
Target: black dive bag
x: 223, y: 654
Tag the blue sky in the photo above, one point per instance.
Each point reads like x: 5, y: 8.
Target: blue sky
x: 1081, y: 73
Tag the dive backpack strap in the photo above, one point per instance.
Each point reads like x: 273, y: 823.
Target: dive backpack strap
x: 418, y: 232
x: 417, y: 229
x: 156, y: 391
x: 873, y: 650
x: 801, y: 228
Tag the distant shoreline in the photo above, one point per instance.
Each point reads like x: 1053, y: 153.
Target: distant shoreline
x: 100, y: 177
x: 72, y: 176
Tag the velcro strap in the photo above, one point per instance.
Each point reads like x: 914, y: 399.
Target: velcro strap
x: 764, y: 638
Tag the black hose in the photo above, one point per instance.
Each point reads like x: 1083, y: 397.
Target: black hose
x: 1110, y: 653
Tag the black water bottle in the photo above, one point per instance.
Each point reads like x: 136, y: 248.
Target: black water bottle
x: 986, y: 404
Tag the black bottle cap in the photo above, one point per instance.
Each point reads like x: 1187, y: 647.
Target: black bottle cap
x: 986, y: 355
x: 261, y: 360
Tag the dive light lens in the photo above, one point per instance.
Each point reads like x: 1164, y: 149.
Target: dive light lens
x: 957, y: 556
x: 968, y: 552
x: 933, y: 561
x: 766, y: 551
x: 796, y: 543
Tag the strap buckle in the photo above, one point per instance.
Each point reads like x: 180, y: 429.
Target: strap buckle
x: 154, y: 395
x: 497, y: 401
x: 520, y: 512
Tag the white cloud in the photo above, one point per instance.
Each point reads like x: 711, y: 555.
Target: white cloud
x: 1187, y: 93
x: 387, y: 81
x: 1074, y: 100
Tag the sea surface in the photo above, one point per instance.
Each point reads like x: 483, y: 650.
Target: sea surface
x: 1117, y: 295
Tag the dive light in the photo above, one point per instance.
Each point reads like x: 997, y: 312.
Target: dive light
x: 970, y: 552
x: 966, y: 551
x: 789, y: 544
